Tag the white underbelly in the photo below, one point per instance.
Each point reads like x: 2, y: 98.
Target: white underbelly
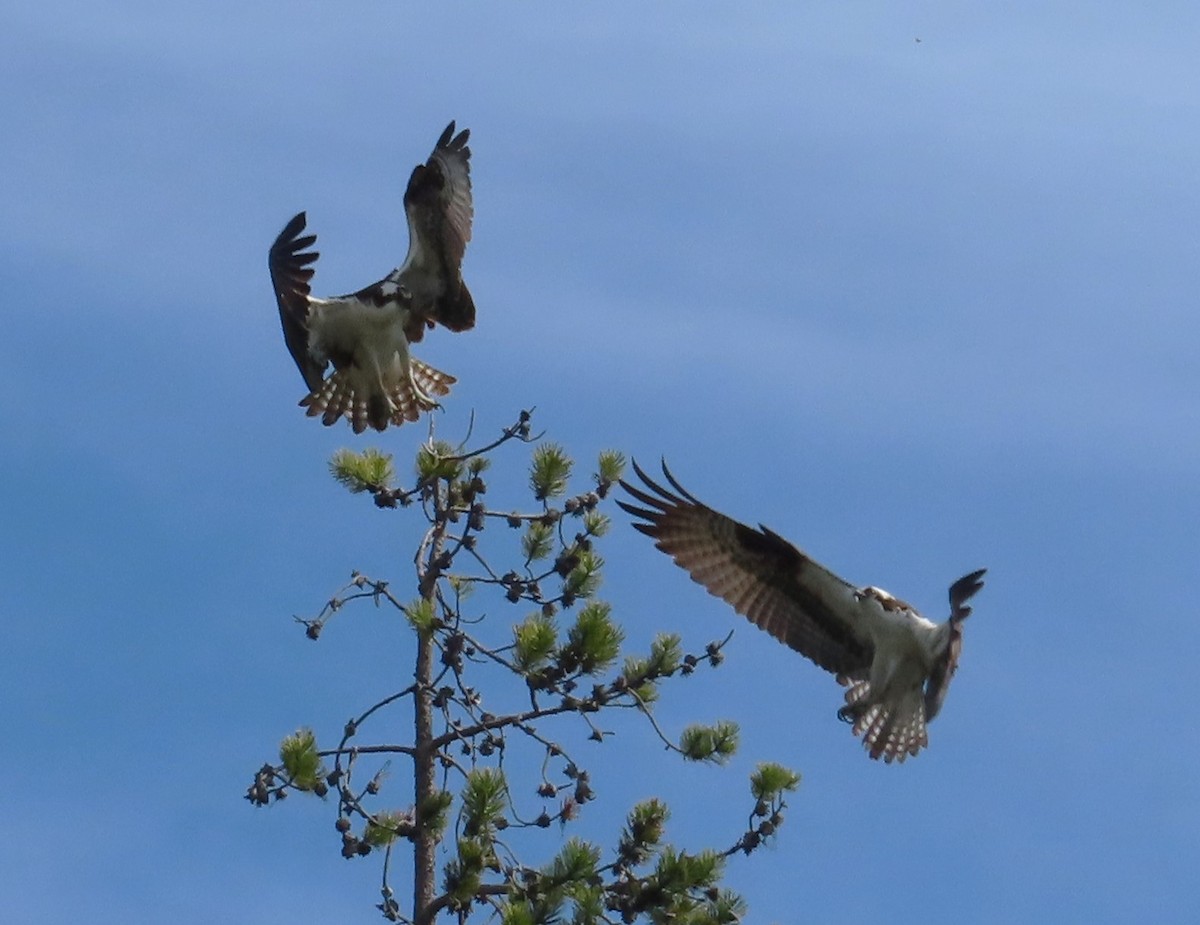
x: 372, y: 336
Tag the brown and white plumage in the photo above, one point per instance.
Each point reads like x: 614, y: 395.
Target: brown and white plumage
x: 895, y: 663
x: 366, y: 335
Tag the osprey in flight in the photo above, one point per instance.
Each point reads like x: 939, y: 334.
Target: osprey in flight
x: 896, y: 664
x: 366, y: 334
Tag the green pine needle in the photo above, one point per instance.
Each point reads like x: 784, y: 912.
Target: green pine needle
x: 385, y: 828
x: 727, y: 908
x: 666, y: 653
x: 595, y: 523
x: 421, y: 616
x: 770, y: 780
x: 549, y: 471
x: 533, y: 642
x: 484, y: 798
x: 589, y: 904
x: 577, y: 861
x: 538, y: 541
x: 300, y: 758
x: 643, y: 831
x: 594, y: 642
x: 636, y: 673
x: 363, y: 471
x: 434, y: 812
x: 517, y: 913
x: 433, y: 462
x: 464, y: 873
x: 716, y: 743
x: 584, y: 579
x: 678, y: 870
x: 463, y: 587
x: 611, y: 467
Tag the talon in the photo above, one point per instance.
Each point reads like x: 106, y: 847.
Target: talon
x: 426, y: 402
x: 852, y: 712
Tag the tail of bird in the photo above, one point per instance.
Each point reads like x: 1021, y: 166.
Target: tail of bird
x: 891, y: 731
x: 348, y: 393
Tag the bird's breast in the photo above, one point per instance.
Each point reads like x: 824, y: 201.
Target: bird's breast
x: 370, y: 334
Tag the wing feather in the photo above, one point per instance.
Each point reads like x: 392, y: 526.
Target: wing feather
x: 962, y: 591
x: 452, y: 159
x: 440, y: 210
x: 943, y: 671
x: 290, y: 276
x: 757, y: 572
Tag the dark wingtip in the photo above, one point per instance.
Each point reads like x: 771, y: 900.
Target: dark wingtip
x: 285, y: 258
x: 675, y: 484
x: 973, y: 581
x: 289, y: 241
x: 638, y: 469
x: 650, y: 530
x: 643, y: 497
x: 962, y: 591
x: 662, y: 498
x: 626, y: 485
x: 451, y: 141
x: 295, y: 225
x: 456, y: 313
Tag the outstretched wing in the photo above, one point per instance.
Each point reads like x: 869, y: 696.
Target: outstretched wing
x: 290, y: 275
x: 759, y: 573
x: 962, y: 591
x: 943, y: 670
x: 439, y: 208
x: 442, y: 185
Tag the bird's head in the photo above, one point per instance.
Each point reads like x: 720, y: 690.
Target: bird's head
x: 885, y: 599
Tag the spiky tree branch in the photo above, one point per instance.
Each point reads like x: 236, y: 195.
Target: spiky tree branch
x: 564, y: 655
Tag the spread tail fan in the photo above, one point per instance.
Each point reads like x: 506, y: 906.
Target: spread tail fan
x: 366, y: 404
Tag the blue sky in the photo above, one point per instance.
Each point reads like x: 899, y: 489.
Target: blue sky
x: 921, y: 306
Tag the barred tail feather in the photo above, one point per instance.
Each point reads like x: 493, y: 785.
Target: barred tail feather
x: 341, y: 396
x: 407, y: 403
x: 891, y: 731
x: 337, y: 397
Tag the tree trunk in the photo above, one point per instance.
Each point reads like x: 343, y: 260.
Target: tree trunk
x: 425, y: 849
x: 425, y: 774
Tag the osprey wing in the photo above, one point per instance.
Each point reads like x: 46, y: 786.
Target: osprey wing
x: 943, y: 671
x: 759, y: 573
x: 962, y: 591
x: 290, y: 275
x: 440, y: 210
